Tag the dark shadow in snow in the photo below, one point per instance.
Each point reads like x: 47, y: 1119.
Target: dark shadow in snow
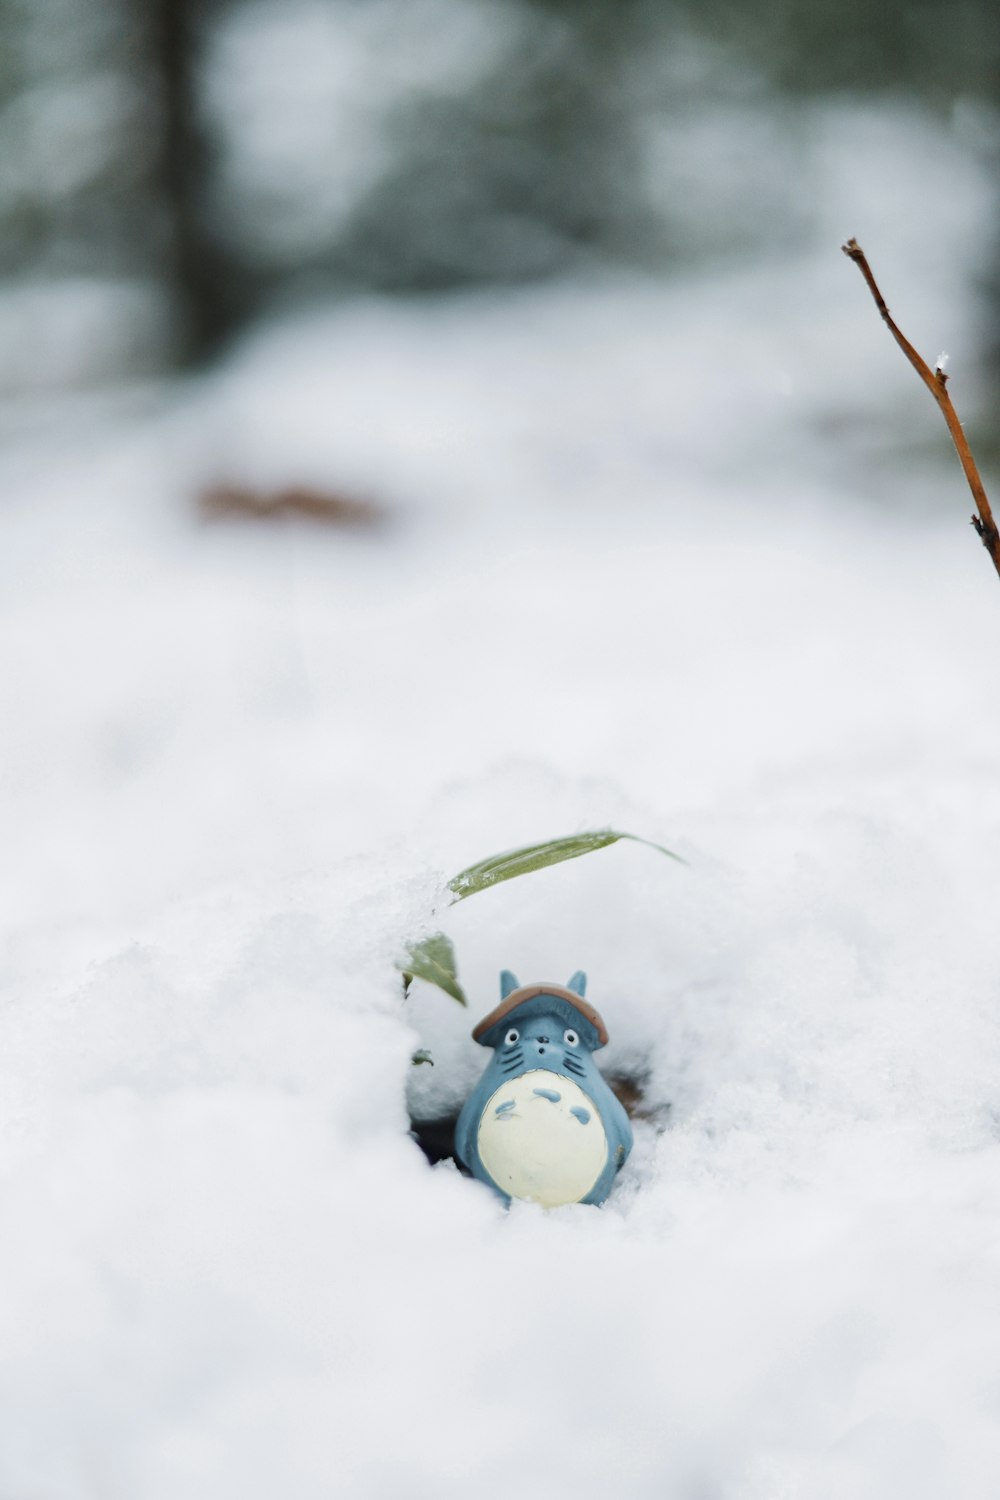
x: 436, y: 1139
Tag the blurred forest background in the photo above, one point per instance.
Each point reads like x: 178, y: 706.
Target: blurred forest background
x: 170, y: 170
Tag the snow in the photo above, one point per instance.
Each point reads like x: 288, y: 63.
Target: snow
x: 651, y: 561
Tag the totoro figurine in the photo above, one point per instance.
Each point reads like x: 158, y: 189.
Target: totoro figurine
x: 542, y: 1123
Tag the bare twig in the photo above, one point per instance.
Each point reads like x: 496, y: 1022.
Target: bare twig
x: 936, y: 382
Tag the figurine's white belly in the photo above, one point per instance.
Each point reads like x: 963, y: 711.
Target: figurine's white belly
x: 551, y: 1150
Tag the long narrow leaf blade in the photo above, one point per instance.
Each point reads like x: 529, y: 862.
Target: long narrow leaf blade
x: 432, y: 959
x: 515, y: 862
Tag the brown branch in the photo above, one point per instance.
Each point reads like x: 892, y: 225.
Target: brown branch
x: 936, y: 382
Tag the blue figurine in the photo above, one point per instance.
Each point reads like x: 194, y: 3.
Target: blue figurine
x: 542, y: 1123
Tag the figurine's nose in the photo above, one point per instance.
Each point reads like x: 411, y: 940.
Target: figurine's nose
x: 543, y: 1039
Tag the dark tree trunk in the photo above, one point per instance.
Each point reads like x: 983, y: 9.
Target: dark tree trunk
x: 206, y: 283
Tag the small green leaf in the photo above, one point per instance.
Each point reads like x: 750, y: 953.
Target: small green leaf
x: 433, y: 960
x: 516, y: 862
x: 423, y: 1056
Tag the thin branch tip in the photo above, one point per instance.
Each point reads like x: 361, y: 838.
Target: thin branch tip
x: 936, y: 381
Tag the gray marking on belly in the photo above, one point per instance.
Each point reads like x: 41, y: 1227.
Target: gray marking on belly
x: 583, y: 1115
x: 502, y: 1109
x: 548, y: 1094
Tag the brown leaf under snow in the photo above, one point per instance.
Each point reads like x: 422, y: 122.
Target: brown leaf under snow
x: 223, y: 502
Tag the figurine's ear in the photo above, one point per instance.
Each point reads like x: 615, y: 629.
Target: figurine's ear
x: 578, y: 984
x: 508, y: 983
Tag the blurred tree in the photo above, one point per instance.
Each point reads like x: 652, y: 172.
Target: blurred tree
x: 186, y: 163
x: 83, y: 231
x: 205, y: 290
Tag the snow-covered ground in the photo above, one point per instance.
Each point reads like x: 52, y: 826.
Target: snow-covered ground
x: 652, y: 559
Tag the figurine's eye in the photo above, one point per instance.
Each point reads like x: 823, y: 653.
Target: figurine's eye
x: 512, y: 1036
x: 571, y: 1039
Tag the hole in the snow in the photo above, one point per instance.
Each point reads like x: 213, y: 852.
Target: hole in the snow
x: 436, y: 1138
x: 632, y: 1090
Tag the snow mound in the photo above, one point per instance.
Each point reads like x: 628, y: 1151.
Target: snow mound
x: 240, y: 763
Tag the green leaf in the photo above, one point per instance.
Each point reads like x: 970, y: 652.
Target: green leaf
x: 423, y: 1056
x: 433, y: 960
x: 516, y: 862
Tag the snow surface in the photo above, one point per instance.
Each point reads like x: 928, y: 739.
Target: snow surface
x: 651, y: 561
